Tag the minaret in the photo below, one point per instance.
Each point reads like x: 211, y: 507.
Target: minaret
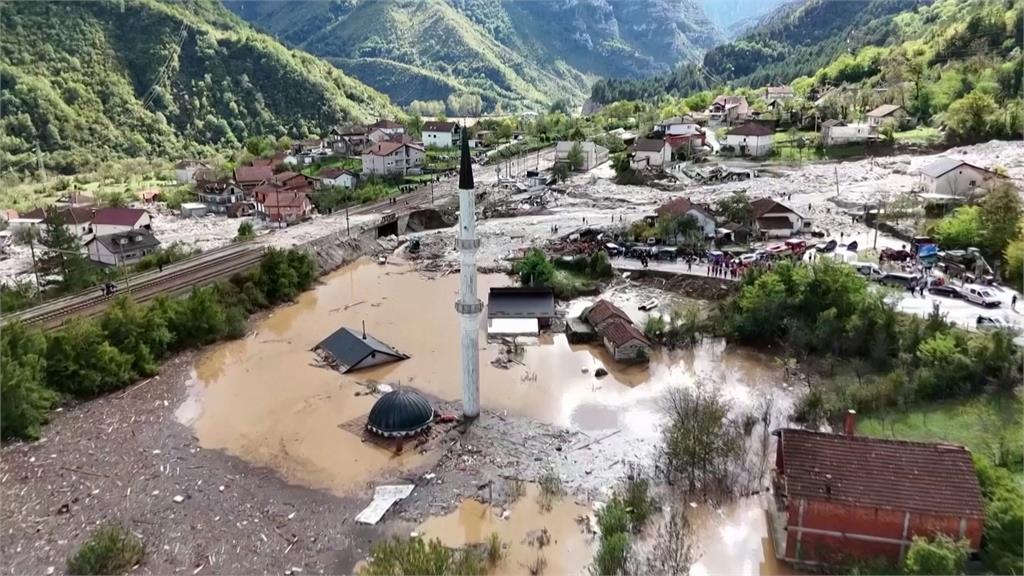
x: 468, y: 305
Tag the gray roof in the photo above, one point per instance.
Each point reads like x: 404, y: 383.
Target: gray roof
x: 521, y: 303
x: 649, y: 145
x: 349, y: 348
x: 883, y: 110
x: 944, y: 164
x: 120, y: 242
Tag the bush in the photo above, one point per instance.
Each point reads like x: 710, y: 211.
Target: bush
x: 81, y: 362
x: 1003, y: 552
x: 535, y: 269
x: 24, y: 399
x: 940, y: 555
x: 110, y: 550
x: 414, y: 556
x: 612, y: 554
x: 165, y: 256
x: 245, y: 231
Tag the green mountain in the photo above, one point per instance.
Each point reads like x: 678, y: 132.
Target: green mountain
x: 86, y: 81
x: 956, y: 63
x: 509, y: 52
x: 733, y: 17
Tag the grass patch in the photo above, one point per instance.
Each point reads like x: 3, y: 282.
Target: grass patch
x: 414, y: 556
x: 495, y: 549
x: 921, y: 136
x: 109, y: 550
x: 550, y: 490
x: 990, y: 425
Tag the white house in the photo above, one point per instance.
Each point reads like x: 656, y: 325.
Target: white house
x: 954, y: 177
x: 112, y: 220
x: 439, y: 134
x: 185, y: 171
x: 393, y: 158
x: 650, y: 153
x: 122, y: 247
x: 837, y: 132
x: 337, y: 177
x: 593, y: 155
x: 383, y: 130
x: 683, y: 207
x: 879, y: 115
x: 751, y: 139
x: 774, y: 219
x: 678, y: 126
x: 78, y: 221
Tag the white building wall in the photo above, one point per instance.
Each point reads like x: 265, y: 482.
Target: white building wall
x: 957, y: 182
x: 837, y: 135
x: 438, y: 139
x: 104, y: 229
x: 751, y: 145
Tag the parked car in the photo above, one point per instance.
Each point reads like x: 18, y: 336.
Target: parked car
x: 613, y: 249
x: 988, y: 323
x: 829, y: 246
x: 899, y: 279
x: 748, y: 258
x: 947, y: 290
x: 981, y: 295
x: 869, y: 270
x: 649, y: 305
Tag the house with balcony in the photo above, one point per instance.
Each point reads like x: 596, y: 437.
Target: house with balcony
x: 384, y: 158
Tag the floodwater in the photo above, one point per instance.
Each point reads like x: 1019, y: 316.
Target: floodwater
x: 262, y: 398
x: 568, y: 552
x: 734, y: 541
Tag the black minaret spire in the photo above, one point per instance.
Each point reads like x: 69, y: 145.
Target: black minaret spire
x: 465, y: 164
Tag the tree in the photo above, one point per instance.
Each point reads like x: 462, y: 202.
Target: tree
x: 24, y: 399
x: 960, y: 230
x: 737, y: 208
x: 80, y: 361
x: 561, y: 171
x: 1013, y: 256
x: 62, y: 257
x: 1000, y: 219
x: 432, y: 108
x: 575, y: 156
x: 535, y: 269
x: 136, y: 331
x: 414, y: 125
x: 970, y: 118
x: 938, y: 556
x: 702, y: 443
x: 259, y: 146
x: 246, y: 232
x: 672, y: 552
x: 560, y: 106
x: 465, y: 104
x: 506, y: 130
x: 888, y: 130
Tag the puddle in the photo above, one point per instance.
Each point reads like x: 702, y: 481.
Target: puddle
x: 569, y: 551
x: 262, y: 399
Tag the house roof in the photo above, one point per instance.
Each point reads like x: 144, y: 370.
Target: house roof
x: 946, y: 164
x: 434, y: 126
x: 387, y: 147
x: 601, y: 311
x: 386, y: 124
x: 348, y: 348
x: 332, y: 173
x: 832, y: 123
x: 680, y: 206
x: 191, y: 164
x: 77, y: 197
x: 776, y: 91
x: 349, y: 130
x: 764, y: 206
x: 883, y: 110
x: 648, y: 145
x: 65, y: 216
x: 217, y: 188
x: 751, y: 129
x: 118, y: 216
x: 138, y: 239
x: 621, y: 332
x: 521, y: 303
x: 252, y: 174
x: 933, y: 478
x: 730, y: 101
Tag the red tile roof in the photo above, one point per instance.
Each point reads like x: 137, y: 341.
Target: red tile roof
x: 253, y: 174
x: 386, y: 124
x: 118, y: 216
x: 385, y: 148
x: 680, y: 206
x: 603, y: 310
x: 879, y: 473
x: 332, y: 173
x: 763, y: 206
x: 751, y: 129
x: 621, y: 332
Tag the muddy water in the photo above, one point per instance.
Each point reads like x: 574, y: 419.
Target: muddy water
x: 261, y: 397
x: 568, y: 553
x: 734, y: 541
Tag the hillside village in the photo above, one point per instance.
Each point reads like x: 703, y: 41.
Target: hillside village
x: 736, y: 330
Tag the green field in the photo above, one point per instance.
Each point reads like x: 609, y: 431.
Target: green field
x: 989, y: 425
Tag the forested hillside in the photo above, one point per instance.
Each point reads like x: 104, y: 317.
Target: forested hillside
x: 86, y: 81
x: 954, y: 62
x: 508, y: 52
x: 733, y: 16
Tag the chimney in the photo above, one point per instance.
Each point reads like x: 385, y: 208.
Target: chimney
x: 850, y: 423
x: 364, y: 332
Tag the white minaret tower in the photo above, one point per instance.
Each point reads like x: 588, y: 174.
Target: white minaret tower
x: 468, y: 305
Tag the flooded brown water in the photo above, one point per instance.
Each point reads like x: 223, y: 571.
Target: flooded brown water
x: 734, y: 541
x: 262, y: 398
x: 568, y: 552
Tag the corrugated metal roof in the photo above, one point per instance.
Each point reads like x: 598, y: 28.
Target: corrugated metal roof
x: 521, y: 303
x: 349, y: 348
x: 893, y: 474
x: 941, y: 166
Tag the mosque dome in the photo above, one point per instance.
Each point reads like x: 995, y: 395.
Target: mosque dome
x: 399, y: 413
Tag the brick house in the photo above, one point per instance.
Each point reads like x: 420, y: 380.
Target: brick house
x: 775, y: 219
x: 249, y: 177
x: 616, y: 331
x: 842, y: 497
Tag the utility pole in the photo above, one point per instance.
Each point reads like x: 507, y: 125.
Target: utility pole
x: 431, y: 192
x: 836, y: 168
x: 39, y: 164
x: 32, y: 250
x: 348, y: 232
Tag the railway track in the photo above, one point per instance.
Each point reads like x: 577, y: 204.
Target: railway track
x: 181, y: 277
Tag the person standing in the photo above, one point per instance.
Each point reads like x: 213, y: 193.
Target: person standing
x: 1013, y: 303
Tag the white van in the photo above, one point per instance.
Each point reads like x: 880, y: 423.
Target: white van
x: 869, y: 270
x: 980, y: 295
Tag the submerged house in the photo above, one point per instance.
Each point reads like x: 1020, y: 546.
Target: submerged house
x: 349, y: 350
x: 519, y: 310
